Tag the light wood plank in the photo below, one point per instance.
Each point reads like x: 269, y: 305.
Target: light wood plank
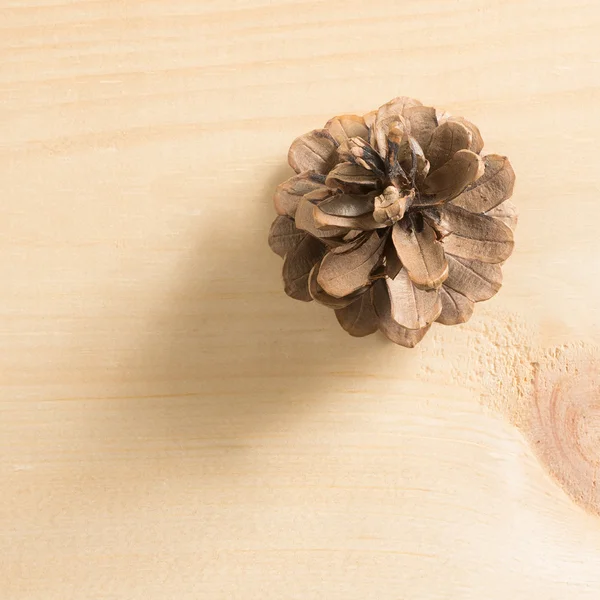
x: 173, y: 426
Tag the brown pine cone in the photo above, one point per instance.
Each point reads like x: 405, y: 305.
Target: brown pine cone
x: 394, y: 220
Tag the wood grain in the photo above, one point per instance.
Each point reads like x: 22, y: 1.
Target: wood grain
x: 173, y: 426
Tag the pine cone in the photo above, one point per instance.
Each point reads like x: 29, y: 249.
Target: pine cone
x: 394, y: 220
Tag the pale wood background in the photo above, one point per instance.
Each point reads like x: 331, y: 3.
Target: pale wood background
x: 172, y: 425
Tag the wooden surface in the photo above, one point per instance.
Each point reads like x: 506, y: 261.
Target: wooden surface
x: 172, y: 425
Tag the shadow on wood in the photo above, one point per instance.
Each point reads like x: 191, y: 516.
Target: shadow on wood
x: 207, y: 326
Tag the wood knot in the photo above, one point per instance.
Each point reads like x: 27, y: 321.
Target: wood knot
x: 564, y: 425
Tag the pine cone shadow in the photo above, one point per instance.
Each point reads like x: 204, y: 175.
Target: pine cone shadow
x: 229, y: 356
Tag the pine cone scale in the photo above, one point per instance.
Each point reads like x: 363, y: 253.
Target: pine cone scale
x: 421, y: 255
x: 341, y: 274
